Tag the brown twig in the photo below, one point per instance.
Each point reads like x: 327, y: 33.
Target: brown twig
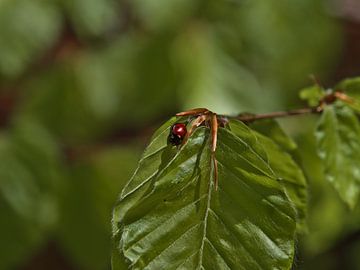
x: 326, y: 100
x: 253, y: 117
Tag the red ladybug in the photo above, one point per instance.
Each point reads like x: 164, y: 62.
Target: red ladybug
x: 177, y: 133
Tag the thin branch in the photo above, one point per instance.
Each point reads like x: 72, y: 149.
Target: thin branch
x: 253, y: 117
x: 326, y: 100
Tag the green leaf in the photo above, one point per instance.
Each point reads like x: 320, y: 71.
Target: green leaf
x: 352, y: 88
x: 329, y: 218
x: 312, y: 94
x: 275, y: 142
x: 170, y: 216
x: 338, y: 138
x: 271, y: 128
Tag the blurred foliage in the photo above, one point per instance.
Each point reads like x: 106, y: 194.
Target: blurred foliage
x: 91, y: 190
x: 330, y: 220
x: 91, y: 78
x: 27, y: 28
x: 29, y: 185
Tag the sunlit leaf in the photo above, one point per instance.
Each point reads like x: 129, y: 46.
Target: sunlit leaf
x: 312, y: 95
x: 338, y: 137
x: 170, y: 216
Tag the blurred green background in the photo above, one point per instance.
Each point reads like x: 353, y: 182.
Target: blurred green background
x: 84, y: 83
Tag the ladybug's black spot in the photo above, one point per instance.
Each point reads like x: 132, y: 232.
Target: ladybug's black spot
x: 174, y: 139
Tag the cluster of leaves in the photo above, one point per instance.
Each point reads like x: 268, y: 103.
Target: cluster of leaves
x: 338, y: 138
x: 170, y: 215
x: 331, y: 241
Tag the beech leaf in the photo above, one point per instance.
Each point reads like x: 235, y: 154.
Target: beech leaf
x: 169, y: 216
x: 338, y: 139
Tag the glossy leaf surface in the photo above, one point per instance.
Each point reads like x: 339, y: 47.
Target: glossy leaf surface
x: 170, y: 216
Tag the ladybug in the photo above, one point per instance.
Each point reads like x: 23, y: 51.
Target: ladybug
x: 177, y: 133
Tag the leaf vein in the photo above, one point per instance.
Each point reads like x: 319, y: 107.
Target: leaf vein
x: 251, y: 188
x: 230, y: 231
x: 170, y: 245
x: 166, y: 221
x: 215, y: 249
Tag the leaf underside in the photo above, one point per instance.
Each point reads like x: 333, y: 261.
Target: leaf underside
x: 169, y: 216
x: 338, y: 138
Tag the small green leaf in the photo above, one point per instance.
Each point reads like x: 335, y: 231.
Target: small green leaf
x: 352, y: 88
x: 170, y: 216
x: 312, y: 94
x: 338, y: 138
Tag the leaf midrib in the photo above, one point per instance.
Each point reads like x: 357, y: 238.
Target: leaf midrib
x: 206, y: 217
x: 336, y: 138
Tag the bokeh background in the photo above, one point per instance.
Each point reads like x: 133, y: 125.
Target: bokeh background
x: 84, y: 83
